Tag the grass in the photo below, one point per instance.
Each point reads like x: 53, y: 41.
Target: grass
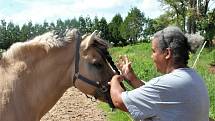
x: 140, y: 56
x: 115, y: 115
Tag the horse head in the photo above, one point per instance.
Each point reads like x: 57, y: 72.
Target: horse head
x: 93, y: 67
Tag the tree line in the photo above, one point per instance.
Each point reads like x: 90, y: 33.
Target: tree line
x: 190, y: 15
x: 119, y: 32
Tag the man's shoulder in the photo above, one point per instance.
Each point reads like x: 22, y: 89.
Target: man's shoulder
x: 170, y: 78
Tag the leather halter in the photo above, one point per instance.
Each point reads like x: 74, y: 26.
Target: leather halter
x: 103, y: 88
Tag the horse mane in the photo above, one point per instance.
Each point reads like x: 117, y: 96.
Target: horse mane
x: 39, y: 45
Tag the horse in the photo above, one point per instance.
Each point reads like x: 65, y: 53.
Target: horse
x: 34, y: 74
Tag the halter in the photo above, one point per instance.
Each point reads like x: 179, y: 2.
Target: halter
x: 103, y: 88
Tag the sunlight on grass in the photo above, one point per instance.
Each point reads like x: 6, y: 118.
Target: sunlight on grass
x: 115, y: 115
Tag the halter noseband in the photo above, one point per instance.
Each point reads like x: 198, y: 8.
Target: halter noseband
x: 103, y: 88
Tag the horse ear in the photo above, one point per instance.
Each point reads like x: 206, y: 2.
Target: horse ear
x: 90, y: 39
x: 84, y: 36
x: 100, y: 33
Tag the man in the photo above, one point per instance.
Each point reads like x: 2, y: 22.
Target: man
x: 178, y: 95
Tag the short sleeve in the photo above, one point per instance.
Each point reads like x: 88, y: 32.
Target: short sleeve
x: 141, y: 102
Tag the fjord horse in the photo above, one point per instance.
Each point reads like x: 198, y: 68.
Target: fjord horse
x: 35, y: 74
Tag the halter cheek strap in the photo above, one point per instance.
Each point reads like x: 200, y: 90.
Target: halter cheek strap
x: 77, y: 58
x: 103, y: 88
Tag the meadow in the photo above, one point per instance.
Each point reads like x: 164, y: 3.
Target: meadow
x: 140, y: 56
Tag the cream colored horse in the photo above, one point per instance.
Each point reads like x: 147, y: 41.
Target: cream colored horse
x: 35, y: 74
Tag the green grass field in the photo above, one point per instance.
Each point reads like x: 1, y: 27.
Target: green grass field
x: 140, y: 56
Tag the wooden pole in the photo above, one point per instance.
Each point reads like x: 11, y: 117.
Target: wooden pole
x: 197, y: 58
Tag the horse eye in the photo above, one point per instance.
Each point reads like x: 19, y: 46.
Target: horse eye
x: 97, y: 65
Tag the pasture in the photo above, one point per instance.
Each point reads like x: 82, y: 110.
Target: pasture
x: 140, y: 55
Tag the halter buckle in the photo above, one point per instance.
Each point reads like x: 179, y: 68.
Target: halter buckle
x: 76, y: 75
x: 104, y: 89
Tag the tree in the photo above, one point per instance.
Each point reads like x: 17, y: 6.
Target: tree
x: 153, y: 25
x: 196, y: 14
x: 82, y: 25
x: 52, y: 26
x: 74, y: 23
x: 9, y: 33
x: 163, y: 21
x: 89, y: 25
x: 39, y: 29
x: 13, y: 33
x: 3, y: 35
x: 206, y: 20
x: 60, y: 26
x: 177, y: 10
x: 132, y: 27
x: 207, y: 26
x: 149, y: 28
x: 103, y: 27
x: 191, y: 21
x: 26, y: 32
x: 95, y: 23
x: 114, y: 29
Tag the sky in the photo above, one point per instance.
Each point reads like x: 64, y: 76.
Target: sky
x: 38, y: 11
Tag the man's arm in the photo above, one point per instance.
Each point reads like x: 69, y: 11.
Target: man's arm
x: 116, y: 91
x: 135, y: 82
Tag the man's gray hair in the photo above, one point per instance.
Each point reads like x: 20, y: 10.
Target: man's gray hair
x: 172, y: 37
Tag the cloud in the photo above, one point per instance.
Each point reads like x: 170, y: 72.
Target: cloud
x: 151, y: 8
x: 97, y: 4
x: 38, y: 11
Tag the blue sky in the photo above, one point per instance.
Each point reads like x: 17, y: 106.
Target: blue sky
x: 38, y: 11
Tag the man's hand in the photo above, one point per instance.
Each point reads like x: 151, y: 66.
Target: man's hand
x: 116, y: 79
x: 125, y: 67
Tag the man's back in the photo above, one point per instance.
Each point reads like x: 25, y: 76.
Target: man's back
x: 186, y: 90
x: 177, y: 96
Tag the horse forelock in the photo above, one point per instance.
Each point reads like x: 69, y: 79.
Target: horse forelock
x: 100, y: 43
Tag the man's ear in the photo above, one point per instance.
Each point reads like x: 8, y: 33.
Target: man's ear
x: 168, y: 53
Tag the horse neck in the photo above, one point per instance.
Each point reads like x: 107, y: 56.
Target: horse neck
x: 55, y: 77
x: 44, y: 82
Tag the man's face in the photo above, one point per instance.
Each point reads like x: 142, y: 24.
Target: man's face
x: 158, y: 57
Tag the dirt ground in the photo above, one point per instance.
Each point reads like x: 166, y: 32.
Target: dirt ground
x: 212, y: 68
x: 75, y: 106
